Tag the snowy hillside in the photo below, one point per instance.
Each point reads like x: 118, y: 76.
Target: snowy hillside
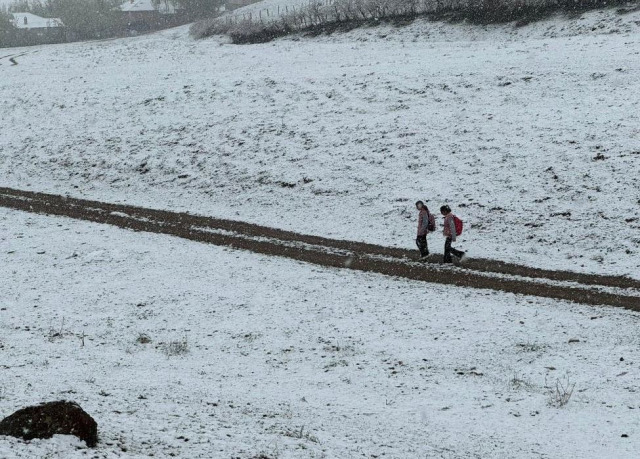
x: 180, y: 349
x: 530, y: 134
x: 274, y: 7
x: 184, y: 349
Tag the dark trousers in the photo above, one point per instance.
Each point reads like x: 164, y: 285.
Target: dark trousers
x: 448, y: 251
x: 421, y: 242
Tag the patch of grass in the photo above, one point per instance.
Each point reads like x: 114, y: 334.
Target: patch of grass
x: 560, y: 395
x: 335, y: 364
x: 519, y: 382
x: 55, y: 332
x: 143, y: 338
x: 301, y: 434
x: 176, y: 347
x: 531, y: 347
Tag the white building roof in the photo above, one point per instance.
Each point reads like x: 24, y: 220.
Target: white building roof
x: 164, y: 6
x: 31, y: 21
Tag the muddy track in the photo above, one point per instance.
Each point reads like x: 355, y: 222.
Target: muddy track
x: 482, y: 274
x: 12, y: 57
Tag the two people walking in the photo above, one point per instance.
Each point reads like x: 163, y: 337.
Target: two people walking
x: 427, y: 224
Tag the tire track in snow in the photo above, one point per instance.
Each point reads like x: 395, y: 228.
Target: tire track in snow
x: 12, y: 57
x: 482, y: 274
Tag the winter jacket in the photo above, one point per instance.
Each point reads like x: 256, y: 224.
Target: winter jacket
x: 449, y: 227
x: 423, y: 222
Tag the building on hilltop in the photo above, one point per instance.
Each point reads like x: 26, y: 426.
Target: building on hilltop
x: 36, y: 30
x: 144, y: 15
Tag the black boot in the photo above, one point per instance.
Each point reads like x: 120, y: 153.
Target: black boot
x: 421, y: 242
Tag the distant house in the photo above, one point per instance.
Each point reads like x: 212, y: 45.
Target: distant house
x: 36, y: 30
x: 143, y: 15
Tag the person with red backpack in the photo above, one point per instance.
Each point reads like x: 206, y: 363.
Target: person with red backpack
x: 426, y: 225
x: 452, y: 229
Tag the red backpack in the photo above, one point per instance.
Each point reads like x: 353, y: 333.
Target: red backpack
x: 459, y: 225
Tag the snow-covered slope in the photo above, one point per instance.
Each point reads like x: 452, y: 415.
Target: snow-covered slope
x: 596, y: 22
x: 533, y: 141
x: 294, y: 362
x: 273, y: 6
x: 600, y: 22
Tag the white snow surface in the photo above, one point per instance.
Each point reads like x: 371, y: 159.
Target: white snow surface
x: 531, y: 134
x: 272, y: 6
x: 293, y: 361
x: 164, y: 7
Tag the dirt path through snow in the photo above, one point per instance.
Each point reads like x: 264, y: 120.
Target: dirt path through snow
x: 475, y: 273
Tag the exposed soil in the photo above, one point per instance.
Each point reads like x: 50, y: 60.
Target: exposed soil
x: 49, y: 419
x: 475, y: 273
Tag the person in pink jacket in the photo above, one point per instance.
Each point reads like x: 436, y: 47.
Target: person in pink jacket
x: 426, y: 223
x: 450, y: 235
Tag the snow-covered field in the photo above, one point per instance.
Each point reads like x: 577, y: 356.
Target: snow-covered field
x: 534, y: 141
x: 292, y: 361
